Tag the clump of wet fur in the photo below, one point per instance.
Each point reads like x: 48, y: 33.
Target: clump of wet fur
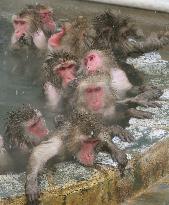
x: 113, y: 28
x: 14, y: 131
x: 80, y: 36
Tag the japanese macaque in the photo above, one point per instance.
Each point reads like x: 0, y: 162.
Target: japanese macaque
x: 58, y: 76
x: 28, y: 31
x: 25, y: 129
x: 76, y: 37
x: 46, y: 15
x: 120, y: 34
x: 94, y: 94
x: 80, y: 139
x: 126, y: 80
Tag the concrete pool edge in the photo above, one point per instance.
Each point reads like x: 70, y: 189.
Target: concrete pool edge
x: 105, y: 186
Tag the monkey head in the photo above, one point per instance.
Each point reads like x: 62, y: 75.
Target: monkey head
x: 112, y: 28
x: 25, y: 128
x: 47, y: 18
x: 94, y: 94
x: 62, y: 67
x: 97, y: 61
x: 25, y: 24
x: 76, y: 37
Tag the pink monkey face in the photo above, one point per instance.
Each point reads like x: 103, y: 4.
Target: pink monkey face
x: 66, y: 72
x: 21, y: 27
x: 37, y: 127
x: 47, y: 19
x: 92, y: 62
x: 94, y: 98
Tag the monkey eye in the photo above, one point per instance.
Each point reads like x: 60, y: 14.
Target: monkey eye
x: 22, y: 22
x: 70, y: 66
x: 91, y: 57
x: 35, y: 123
x: 97, y: 89
x: 89, y: 90
x: 16, y: 22
x: 62, y: 69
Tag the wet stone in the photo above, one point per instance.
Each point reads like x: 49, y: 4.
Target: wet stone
x: 11, y: 185
x: 160, y: 118
x: 66, y: 172
x: 150, y: 63
x: 156, y: 194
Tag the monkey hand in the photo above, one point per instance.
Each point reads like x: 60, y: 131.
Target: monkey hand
x: 132, y: 112
x: 150, y: 92
x: 32, y: 193
x: 123, y: 134
x: 122, y: 161
x: 59, y: 120
x: 144, y: 103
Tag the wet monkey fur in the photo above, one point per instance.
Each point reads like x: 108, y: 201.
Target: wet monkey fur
x: 72, y: 140
x: 115, y: 31
x: 59, y: 78
x: 125, y: 79
x: 27, y: 31
x: 25, y: 128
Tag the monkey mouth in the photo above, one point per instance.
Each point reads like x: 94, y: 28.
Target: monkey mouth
x: 91, y: 141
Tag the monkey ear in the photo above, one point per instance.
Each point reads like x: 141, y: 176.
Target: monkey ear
x: 14, y: 17
x: 67, y: 26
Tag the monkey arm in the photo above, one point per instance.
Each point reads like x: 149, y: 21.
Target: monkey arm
x: 40, y: 155
x: 149, y: 92
x: 139, y: 101
x: 132, y: 112
x: 117, y: 154
x: 146, y: 95
x: 52, y: 95
x: 153, y: 42
x: 123, y: 134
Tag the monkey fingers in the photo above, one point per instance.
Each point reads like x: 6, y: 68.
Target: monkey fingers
x: 59, y: 120
x: 142, y: 102
x: 118, y: 155
x: 123, y: 134
x: 150, y: 92
x: 132, y: 112
x: 32, y: 192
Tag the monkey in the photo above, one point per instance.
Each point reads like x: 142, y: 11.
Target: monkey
x: 94, y: 120
x: 128, y: 82
x: 27, y: 31
x: 95, y: 94
x: 76, y: 37
x: 120, y: 34
x: 46, y: 15
x: 28, y: 45
x: 25, y: 128
x: 79, y: 139
x: 58, y: 77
